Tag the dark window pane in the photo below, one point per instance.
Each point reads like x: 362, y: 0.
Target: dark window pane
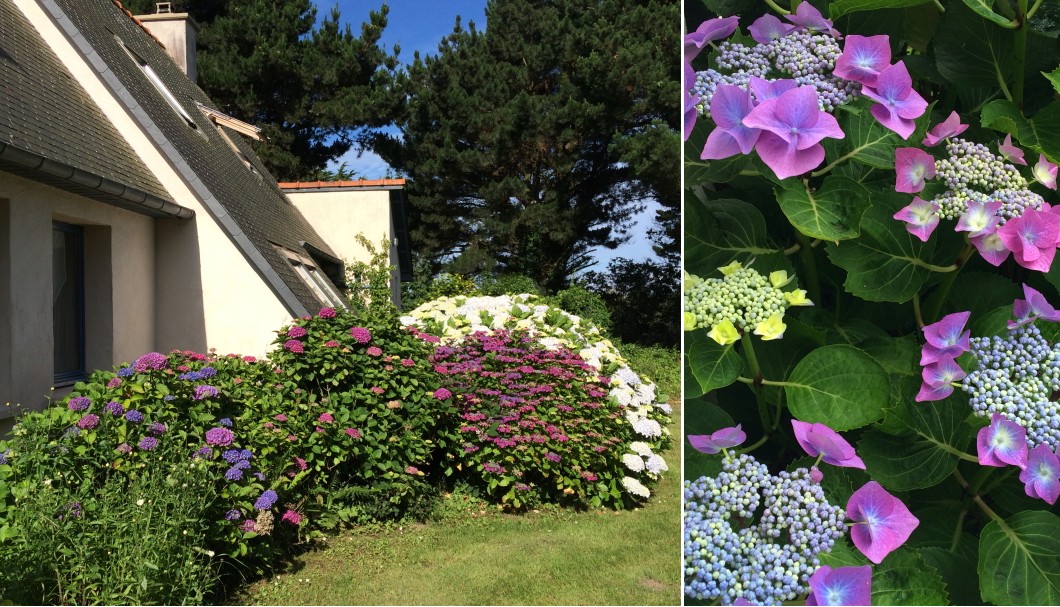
x: 68, y: 301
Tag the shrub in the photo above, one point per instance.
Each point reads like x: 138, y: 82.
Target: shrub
x: 582, y: 302
x: 506, y: 284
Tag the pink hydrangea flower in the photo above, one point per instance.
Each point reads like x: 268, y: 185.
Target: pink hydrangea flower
x: 1045, y: 172
x: 921, y: 217
x: 882, y: 521
x: 793, y: 126
x: 841, y: 586
x: 820, y: 440
x: 863, y: 58
x: 721, y: 439
x: 912, y: 167
x: 291, y: 517
x: 1032, y: 238
x: 1041, y: 476
x: 951, y: 127
x: 1002, y: 443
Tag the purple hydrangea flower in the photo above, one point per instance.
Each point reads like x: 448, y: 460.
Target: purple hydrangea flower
x: 946, y: 338
x: 157, y: 428
x: 152, y: 361
x: 820, y: 440
x: 841, y: 586
x: 863, y: 58
x: 87, y: 422
x: 1045, y: 172
x: 266, y: 500
x: 225, y: 421
x: 148, y: 443
x: 951, y: 127
x: 720, y: 439
x: 768, y: 28
x: 728, y: 107
x: 1010, y: 152
x: 807, y: 17
x: 221, y: 437
x: 204, y: 391
x: 234, y: 474
x: 207, y: 372
x: 991, y: 248
x: 1002, y: 443
x: 883, y: 521
x: 792, y: 127
x: 1032, y: 238
x: 294, y: 346
x: 249, y: 526
x: 125, y: 372
x: 79, y: 403
x: 912, y: 167
x: 124, y: 448
x: 979, y: 218
x: 938, y: 378
x: 114, y: 408
x: 442, y: 393
x: 897, y: 103
x: 1041, y: 477
x: 361, y: 335
x: 233, y: 515
x: 765, y: 90
x: 134, y: 416
x: 921, y: 217
x: 1034, y: 307
x: 297, y: 331
x: 709, y: 31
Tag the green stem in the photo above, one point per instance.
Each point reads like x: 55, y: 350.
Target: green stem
x: 978, y: 500
x: 809, y: 268
x: 1019, y: 51
x: 1033, y: 9
x: 793, y: 249
x: 938, y: 5
x: 959, y: 529
x: 758, y: 443
x: 778, y: 8
x: 1009, y: 471
x: 938, y: 298
x: 916, y: 310
x: 752, y: 360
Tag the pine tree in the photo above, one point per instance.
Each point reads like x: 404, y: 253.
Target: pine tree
x: 309, y: 86
x: 531, y: 143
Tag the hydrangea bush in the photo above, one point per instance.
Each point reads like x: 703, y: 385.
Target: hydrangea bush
x: 828, y: 315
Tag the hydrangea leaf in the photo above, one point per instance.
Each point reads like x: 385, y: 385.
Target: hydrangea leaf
x: 712, y: 365
x: 830, y: 213
x: 838, y: 8
x: 1003, y: 115
x: 1054, y: 78
x: 904, y: 578
x: 982, y: 292
x: 926, y: 453
x: 955, y: 569
x: 971, y: 65
x: 886, y: 263
x: 718, y: 231
x: 867, y: 141
x: 1019, y: 560
x: 837, y: 385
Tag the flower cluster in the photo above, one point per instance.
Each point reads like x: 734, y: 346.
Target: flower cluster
x: 730, y: 555
x: 741, y: 301
x: 987, y: 195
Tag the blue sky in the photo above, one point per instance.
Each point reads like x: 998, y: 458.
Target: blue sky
x: 419, y: 25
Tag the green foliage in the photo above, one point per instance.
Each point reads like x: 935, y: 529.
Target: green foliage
x: 506, y: 284
x: 643, y: 299
x: 580, y: 301
x: 429, y: 288
x: 369, y: 281
x: 531, y: 143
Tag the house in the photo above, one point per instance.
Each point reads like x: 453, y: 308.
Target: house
x: 139, y: 211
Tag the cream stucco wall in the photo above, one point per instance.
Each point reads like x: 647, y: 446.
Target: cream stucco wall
x: 119, y: 285
x: 341, y: 214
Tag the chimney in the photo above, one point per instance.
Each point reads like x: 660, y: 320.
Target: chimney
x: 176, y: 31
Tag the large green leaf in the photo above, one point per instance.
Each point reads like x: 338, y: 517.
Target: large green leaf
x: 867, y: 141
x: 985, y: 9
x: 713, y: 365
x: 1019, y: 560
x: 1003, y: 115
x: 839, y: 385
x: 926, y: 454
x: 886, y: 263
x: 831, y: 213
x: 838, y: 8
x: 904, y: 578
x: 719, y: 231
x: 971, y: 51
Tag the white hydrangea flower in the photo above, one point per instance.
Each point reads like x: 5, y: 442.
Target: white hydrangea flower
x: 633, y: 461
x: 641, y: 448
x: 647, y: 427
x: 633, y: 486
x: 656, y: 464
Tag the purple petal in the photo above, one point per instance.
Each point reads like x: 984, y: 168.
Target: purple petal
x: 1010, y: 152
x: 768, y: 28
x: 897, y: 103
x: 863, y: 58
x: 691, y: 111
x: 766, y: 89
x: 703, y: 444
x: 729, y: 437
x: 947, y: 336
x: 921, y: 217
x: 720, y: 144
x: 708, y: 31
x: 991, y: 248
x: 930, y: 393
x: 1045, y: 172
x: 942, y: 372
x: 884, y: 521
x: 784, y: 159
x: 795, y: 117
x: 819, y: 439
x: 841, y: 586
x: 1032, y: 238
x: 728, y: 108
x: 1039, y: 305
x: 808, y: 17
x: 1041, y: 476
x: 979, y: 218
x: 950, y: 127
x: 912, y: 167
x: 1002, y: 443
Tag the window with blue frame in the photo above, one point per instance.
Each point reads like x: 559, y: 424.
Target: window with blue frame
x: 68, y: 301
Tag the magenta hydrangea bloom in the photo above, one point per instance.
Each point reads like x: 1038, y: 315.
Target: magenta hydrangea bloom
x: 840, y: 586
x: 921, y: 217
x: 721, y: 439
x: 1010, y: 152
x: 991, y: 248
x: 709, y: 31
x: 728, y: 107
x: 807, y: 16
x: 863, y: 58
x: 89, y: 421
x: 768, y: 89
x: 979, y: 218
x: 1045, y: 172
x: 691, y: 111
x: 294, y: 346
x: 792, y: 127
x: 1032, y: 238
x: 220, y: 436
x: 950, y: 127
x: 946, y: 338
x: 442, y: 393
x: 897, y: 104
x: 884, y: 522
x: 296, y: 331
x: 326, y: 312
x: 1002, y: 443
x: 768, y: 28
x: 1041, y: 477
x: 152, y: 361
x: 938, y: 379
x: 818, y: 440
x: 912, y: 167
x: 1032, y: 308
x: 361, y: 335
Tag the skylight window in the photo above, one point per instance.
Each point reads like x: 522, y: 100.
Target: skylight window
x: 313, y: 278
x: 160, y: 86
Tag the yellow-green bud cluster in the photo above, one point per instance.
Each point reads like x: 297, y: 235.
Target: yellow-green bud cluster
x: 742, y: 300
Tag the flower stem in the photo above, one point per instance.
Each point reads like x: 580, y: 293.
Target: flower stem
x: 809, y: 268
x: 778, y: 8
x: 978, y: 500
x: 758, y: 443
x: 1019, y: 51
x: 916, y: 310
x: 960, y: 528
x: 938, y: 298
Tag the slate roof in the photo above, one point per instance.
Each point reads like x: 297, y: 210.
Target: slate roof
x: 52, y: 132
x: 246, y: 204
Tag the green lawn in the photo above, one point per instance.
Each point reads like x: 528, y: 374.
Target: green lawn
x: 474, y: 555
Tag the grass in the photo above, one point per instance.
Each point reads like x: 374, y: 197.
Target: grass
x: 473, y: 554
